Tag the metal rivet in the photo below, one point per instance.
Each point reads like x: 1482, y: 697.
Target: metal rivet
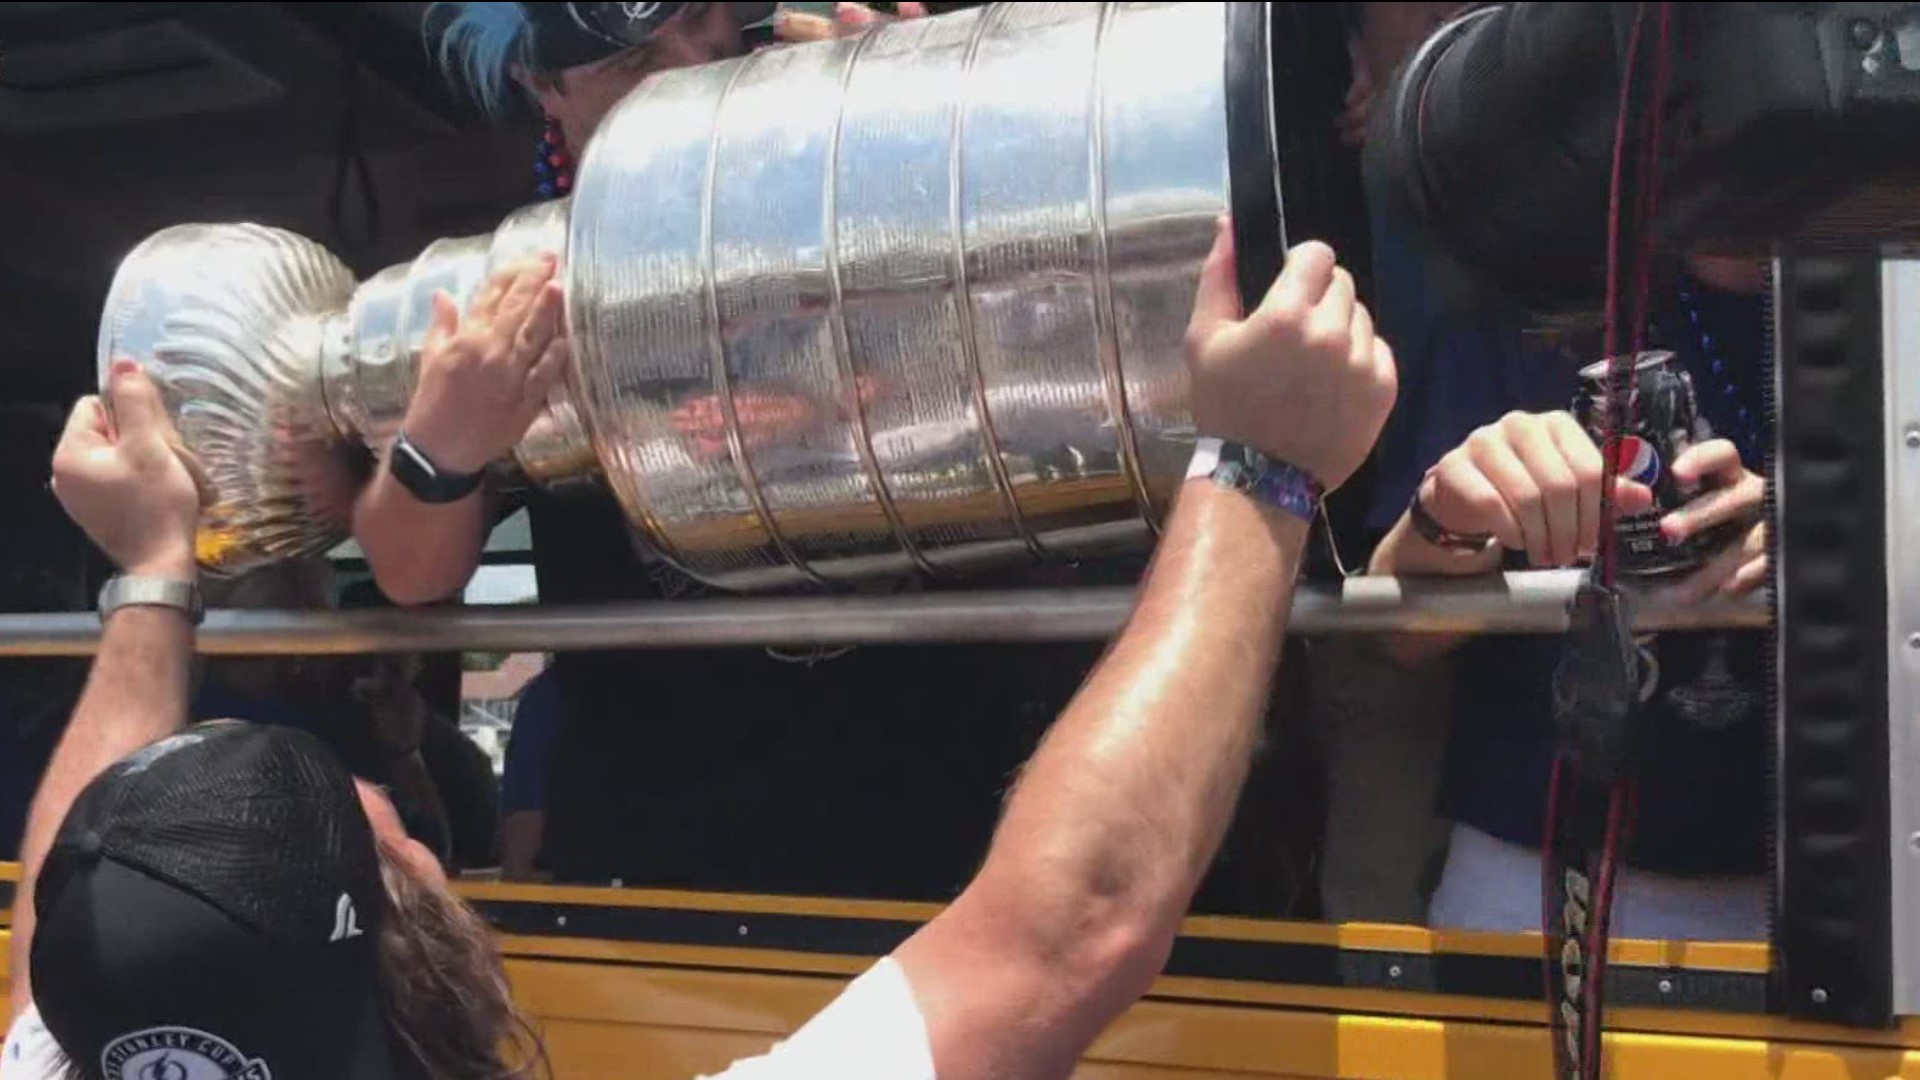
x: 1914, y: 842
x: 559, y: 920
x: 1394, y: 972
x: 1819, y: 996
x: 1913, y: 438
x: 743, y: 929
x: 1666, y: 986
x: 1913, y: 641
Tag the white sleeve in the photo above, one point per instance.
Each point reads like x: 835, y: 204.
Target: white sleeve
x: 872, y: 1031
x: 30, y: 1052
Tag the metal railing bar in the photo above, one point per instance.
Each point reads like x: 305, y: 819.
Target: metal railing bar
x: 1533, y: 602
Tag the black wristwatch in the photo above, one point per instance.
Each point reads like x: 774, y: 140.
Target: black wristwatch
x: 428, y: 482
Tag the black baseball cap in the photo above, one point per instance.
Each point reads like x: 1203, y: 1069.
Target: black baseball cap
x: 561, y: 36
x: 210, y: 910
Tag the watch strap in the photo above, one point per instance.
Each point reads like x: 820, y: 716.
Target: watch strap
x: 425, y: 480
x: 1265, y: 479
x: 125, y: 591
x: 1430, y: 530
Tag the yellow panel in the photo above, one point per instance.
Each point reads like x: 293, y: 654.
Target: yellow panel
x: 1110, y: 1071
x: 638, y: 1011
x: 1331, y: 999
x: 641, y: 1023
x: 745, y: 903
x: 1723, y: 956
x: 768, y: 1005
x: 586, y: 1051
x: 697, y: 1020
x: 1353, y: 1047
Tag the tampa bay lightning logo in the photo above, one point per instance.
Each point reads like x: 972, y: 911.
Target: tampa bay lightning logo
x: 1638, y: 460
x: 164, y: 1067
x: 177, y: 1053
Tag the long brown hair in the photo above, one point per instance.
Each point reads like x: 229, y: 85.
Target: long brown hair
x: 448, y: 1002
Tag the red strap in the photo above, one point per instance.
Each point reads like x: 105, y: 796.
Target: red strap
x: 1588, y: 819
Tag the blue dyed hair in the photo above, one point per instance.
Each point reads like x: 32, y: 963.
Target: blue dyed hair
x: 478, y: 43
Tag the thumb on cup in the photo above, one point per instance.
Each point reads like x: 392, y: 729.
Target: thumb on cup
x: 134, y: 401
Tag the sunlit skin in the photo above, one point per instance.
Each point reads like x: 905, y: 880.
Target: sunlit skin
x: 392, y: 836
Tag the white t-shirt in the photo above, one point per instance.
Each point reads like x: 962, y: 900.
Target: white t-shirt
x: 1490, y: 884
x: 872, y: 1031
x: 30, y: 1053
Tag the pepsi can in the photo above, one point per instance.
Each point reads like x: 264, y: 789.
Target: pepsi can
x: 1662, y: 421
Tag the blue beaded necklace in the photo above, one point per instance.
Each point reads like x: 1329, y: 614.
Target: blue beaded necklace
x: 1718, y: 378
x: 552, y: 165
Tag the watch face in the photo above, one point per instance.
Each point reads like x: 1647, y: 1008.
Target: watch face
x: 417, y: 473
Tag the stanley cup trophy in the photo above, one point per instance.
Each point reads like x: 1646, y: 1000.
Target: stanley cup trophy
x: 910, y: 302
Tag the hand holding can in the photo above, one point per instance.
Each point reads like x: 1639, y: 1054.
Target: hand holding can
x: 1531, y: 482
x: 1663, y: 429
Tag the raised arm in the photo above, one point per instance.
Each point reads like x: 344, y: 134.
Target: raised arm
x: 1124, y: 805
x: 118, y: 477
x: 483, y: 380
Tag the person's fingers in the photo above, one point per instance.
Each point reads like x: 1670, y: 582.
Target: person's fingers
x: 1351, y: 126
x: 135, y: 403
x: 1357, y: 62
x: 1631, y: 497
x: 799, y: 27
x: 1458, y: 491
x: 86, y: 425
x: 1216, y: 304
x: 517, y: 305
x: 1589, y: 471
x: 855, y: 14
x: 1333, y: 314
x: 1386, y: 372
x: 541, y: 327
x: 911, y: 10
x: 484, y: 303
x: 1534, y: 444
x: 1360, y: 335
x: 547, y: 372
x: 1720, y: 506
x: 1707, y: 580
x: 1724, y: 568
x: 1752, y: 573
x: 1497, y: 461
x: 1305, y: 278
x: 1710, y: 462
x: 445, y: 322
x: 1751, y: 576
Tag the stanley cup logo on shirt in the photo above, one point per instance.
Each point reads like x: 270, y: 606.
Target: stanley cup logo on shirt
x: 178, y: 1053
